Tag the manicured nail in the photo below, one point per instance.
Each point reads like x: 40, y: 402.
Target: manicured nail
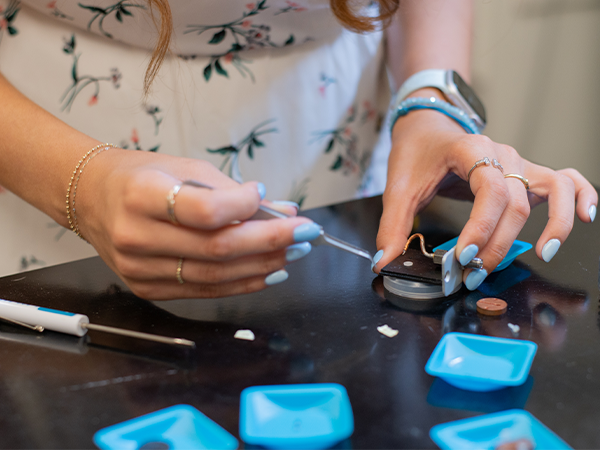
x: 307, y: 232
x: 262, y: 190
x: 276, y: 277
x: 286, y: 203
x: 550, y: 249
x: 468, y: 254
x: 592, y: 212
x: 475, y: 278
x: 376, y: 259
x: 297, y: 251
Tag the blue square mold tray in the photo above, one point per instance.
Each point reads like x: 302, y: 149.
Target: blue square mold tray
x: 515, y: 250
x: 492, y: 430
x: 307, y: 416
x: 481, y: 363
x: 174, y: 428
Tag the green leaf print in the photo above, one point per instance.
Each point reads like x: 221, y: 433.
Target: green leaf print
x: 220, y: 69
x: 218, y: 37
x: 119, y: 9
x: 250, y: 142
x: 207, y: 72
x: 80, y: 82
x: 337, y: 164
x: 7, y: 18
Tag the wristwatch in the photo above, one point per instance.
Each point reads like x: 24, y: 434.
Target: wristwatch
x: 454, y: 88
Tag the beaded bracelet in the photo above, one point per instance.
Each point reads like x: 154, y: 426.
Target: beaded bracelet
x: 72, y: 189
x: 414, y: 103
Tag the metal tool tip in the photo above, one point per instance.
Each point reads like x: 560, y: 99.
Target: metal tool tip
x: 185, y: 342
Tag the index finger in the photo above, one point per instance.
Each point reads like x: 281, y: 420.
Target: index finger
x: 165, y: 198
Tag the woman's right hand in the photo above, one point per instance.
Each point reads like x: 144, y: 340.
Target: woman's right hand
x: 122, y: 211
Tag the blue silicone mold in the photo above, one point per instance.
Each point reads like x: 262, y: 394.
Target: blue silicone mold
x: 178, y: 427
x: 492, y: 430
x: 481, y: 363
x: 515, y: 250
x: 308, y: 416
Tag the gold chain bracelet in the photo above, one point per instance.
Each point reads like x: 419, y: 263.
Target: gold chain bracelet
x: 72, y: 189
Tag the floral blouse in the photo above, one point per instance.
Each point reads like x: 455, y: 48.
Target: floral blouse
x: 272, y: 90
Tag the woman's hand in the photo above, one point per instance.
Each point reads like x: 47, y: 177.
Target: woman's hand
x: 430, y: 152
x: 122, y: 211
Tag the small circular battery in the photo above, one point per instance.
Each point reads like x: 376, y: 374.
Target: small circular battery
x: 412, y: 289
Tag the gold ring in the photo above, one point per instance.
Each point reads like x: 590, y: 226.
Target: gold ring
x: 178, y: 271
x: 523, y: 180
x: 171, y: 203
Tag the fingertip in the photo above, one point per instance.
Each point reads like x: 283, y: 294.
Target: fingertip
x: 550, y: 248
x: 467, y: 254
x: 262, y: 190
x: 376, y: 258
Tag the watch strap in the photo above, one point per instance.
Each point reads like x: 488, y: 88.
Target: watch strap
x: 435, y: 78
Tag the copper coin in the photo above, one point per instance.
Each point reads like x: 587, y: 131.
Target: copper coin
x: 491, y: 306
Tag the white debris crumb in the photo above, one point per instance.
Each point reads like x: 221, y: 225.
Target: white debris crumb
x: 514, y: 328
x: 246, y: 335
x: 387, y: 331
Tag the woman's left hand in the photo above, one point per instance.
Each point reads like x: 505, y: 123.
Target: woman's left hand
x: 431, y: 152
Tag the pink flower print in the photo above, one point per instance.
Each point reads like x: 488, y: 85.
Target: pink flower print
x: 347, y: 131
x: 250, y: 5
x: 322, y: 90
x: 134, y: 136
x: 246, y: 23
x: 3, y: 23
x: 93, y: 100
x: 228, y: 57
x: 51, y: 5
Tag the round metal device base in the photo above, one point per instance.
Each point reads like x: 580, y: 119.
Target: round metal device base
x: 412, y: 289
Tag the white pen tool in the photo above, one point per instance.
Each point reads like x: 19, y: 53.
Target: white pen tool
x: 39, y: 319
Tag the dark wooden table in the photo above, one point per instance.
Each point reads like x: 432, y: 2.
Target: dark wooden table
x: 320, y: 325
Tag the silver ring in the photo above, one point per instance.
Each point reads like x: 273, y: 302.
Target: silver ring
x: 171, y: 203
x: 497, y: 165
x: 178, y: 271
x: 485, y: 162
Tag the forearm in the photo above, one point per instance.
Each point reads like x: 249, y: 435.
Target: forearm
x: 38, y: 152
x: 430, y: 34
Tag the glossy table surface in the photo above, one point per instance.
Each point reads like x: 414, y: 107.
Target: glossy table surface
x: 320, y: 325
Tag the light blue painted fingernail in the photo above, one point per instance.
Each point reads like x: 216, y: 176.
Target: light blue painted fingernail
x: 276, y: 277
x: 468, y: 254
x: 475, y: 278
x: 286, y: 203
x: 297, y: 251
x: 376, y: 259
x: 550, y: 249
x: 306, y: 232
x: 262, y: 190
x: 592, y: 212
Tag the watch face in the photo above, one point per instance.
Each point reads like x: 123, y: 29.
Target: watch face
x: 467, y: 93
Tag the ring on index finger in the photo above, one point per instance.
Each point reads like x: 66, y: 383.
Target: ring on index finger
x: 171, y: 204
x: 485, y: 162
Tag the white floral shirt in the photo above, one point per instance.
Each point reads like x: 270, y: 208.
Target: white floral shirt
x: 273, y: 90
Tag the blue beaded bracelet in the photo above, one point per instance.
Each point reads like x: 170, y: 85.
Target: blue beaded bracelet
x: 455, y: 113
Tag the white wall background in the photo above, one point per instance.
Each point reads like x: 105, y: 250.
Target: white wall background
x: 536, y: 66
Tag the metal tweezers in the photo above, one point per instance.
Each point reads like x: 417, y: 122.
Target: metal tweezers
x: 265, y: 213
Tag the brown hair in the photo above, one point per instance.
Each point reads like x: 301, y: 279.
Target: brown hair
x: 344, y: 10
